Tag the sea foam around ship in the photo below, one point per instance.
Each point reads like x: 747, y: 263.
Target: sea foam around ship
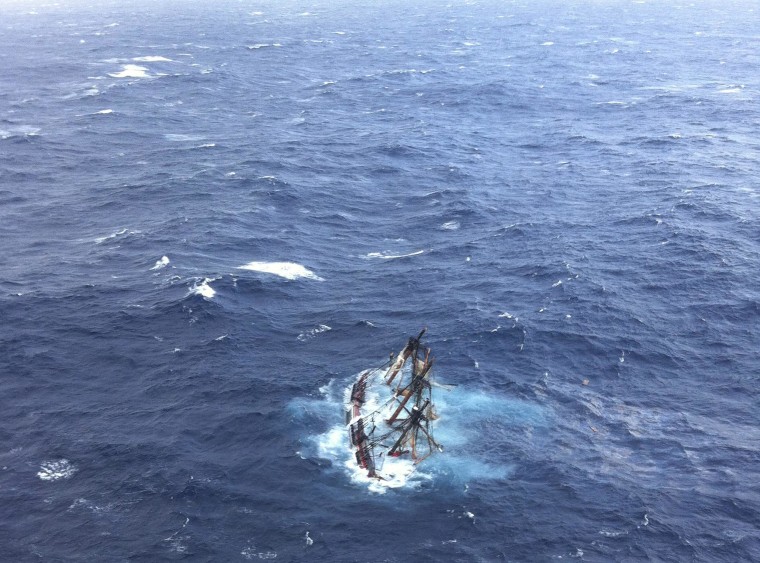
x: 465, y: 417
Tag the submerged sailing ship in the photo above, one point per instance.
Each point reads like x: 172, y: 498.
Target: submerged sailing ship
x: 390, y: 410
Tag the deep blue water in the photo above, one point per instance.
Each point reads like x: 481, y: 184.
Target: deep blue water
x: 564, y: 193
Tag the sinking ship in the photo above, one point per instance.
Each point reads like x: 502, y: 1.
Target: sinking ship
x: 390, y: 412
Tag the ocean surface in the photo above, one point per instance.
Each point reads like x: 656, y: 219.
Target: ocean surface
x: 214, y: 215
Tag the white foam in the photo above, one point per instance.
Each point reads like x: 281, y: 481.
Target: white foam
x: 335, y: 444
x: 117, y: 234
x: 251, y: 553
x: 612, y: 534
x: 557, y: 284
x: 104, y: 112
x: 162, y: 263
x: 287, y: 270
x: 313, y: 332
x: 177, y: 541
x: 397, y: 472
x: 56, y: 470
x: 463, y: 413
x: 450, y: 226
x: 547, y: 43
x: 131, y: 71
x: 203, y: 289
x: 20, y: 131
x: 263, y: 45
x: 180, y: 137
x: 386, y: 256
x: 152, y: 59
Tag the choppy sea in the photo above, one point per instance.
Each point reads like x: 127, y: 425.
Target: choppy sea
x: 213, y: 215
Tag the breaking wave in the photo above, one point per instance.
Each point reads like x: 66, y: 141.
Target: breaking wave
x: 287, y: 270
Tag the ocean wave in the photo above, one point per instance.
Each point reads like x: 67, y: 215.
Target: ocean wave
x: 203, y: 288
x: 161, y: 263
x: 56, y: 470
x: 152, y: 59
x: 388, y: 256
x: 287, y: 270
x: 306, y: 335
x: 117, y: 235
x: 20, y: 131
x: 131, y: 71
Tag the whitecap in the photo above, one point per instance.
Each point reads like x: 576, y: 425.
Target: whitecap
x: 557, y: 284
x: 612, y: 534
x: 203, y: 289
x: 180, y: 137
x: 313, y: 332
x: 547, y: 43
x: 450, y: 226
x: 251, y: 553
x: 152, y: 59
x: 162, y: 263
x: 131, y: 71
x: 287, y: 270
x: 117, y: 234
x: 56, y: 470
x: 20, y: 131
x: 104, y: 112
x: 386, y: 256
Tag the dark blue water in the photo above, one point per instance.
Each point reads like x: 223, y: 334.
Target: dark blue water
x: 564, y: 193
